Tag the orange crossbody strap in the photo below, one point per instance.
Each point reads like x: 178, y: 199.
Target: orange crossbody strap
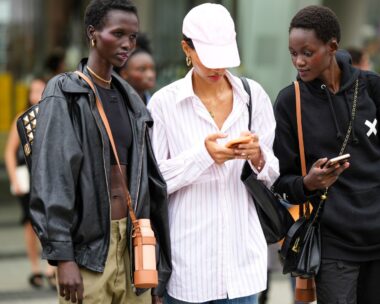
x: 300, y: 142
x: 299, y: 127
x: 109, y: 132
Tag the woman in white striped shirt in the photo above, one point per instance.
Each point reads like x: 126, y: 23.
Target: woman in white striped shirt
x: 219, y: 252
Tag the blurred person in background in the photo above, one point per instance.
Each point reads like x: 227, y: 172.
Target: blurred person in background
x: 78, y: 206
x: 360, y: 58
x: 55, y: 63
x: 219, y: 251
x: 140, y: 70
x: 339, y: 107
x: 19, y: 179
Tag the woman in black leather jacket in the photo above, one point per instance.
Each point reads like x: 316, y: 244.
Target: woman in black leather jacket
x: 77, y: 207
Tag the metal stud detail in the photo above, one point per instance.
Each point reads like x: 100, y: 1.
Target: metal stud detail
x: 25, y: 120
x: 30, y: 136
x: 27, y: 149
x: 32, y: 115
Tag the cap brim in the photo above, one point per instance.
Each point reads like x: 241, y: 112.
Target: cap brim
x: 217, y: 56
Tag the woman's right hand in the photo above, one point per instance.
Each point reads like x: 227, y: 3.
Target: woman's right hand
x: 220, y: 154
x: 321, y: 177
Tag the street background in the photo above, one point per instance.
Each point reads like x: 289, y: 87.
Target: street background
x: 30, y: 30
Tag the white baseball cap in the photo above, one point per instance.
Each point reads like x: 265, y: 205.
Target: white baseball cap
x: 212, y: 31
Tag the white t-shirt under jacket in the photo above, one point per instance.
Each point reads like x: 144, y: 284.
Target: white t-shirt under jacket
x: 218, y: 247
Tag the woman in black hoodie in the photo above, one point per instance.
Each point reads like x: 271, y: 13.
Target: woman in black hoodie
x: 350, y: 223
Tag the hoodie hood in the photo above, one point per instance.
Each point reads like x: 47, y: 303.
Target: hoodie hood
x: 349, y: 73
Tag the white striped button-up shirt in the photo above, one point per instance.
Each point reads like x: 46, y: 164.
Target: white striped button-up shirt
x: 218, y: 247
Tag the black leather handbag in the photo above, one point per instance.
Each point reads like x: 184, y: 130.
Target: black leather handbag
x: 274, y: 216
x: 301, y: 250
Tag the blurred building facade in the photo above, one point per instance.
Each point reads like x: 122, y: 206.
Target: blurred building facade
x: 31, y: 29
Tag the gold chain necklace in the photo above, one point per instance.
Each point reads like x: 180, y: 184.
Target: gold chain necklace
x: 211, y: 107
x: 98, y: 77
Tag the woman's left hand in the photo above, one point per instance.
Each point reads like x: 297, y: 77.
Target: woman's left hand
x: 250, y: 151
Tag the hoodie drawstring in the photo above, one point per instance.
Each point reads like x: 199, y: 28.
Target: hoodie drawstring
x: 338, y: 132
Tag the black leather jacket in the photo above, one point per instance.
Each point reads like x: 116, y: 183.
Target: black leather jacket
x: 70, y: 195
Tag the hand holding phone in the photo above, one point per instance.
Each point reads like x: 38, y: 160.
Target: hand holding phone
x: 237, y: 141
x: 338, y: 160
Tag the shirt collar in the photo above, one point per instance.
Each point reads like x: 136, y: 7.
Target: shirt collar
x: 186, y: 88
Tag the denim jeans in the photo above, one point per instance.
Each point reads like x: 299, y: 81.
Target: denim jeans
x: 243, y: 300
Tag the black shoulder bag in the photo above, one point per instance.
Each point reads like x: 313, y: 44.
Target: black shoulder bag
x: 274, y: 217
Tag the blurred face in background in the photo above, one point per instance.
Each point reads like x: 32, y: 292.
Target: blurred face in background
x: 36, y: 89
x: 364, y: 63
x: 140, y: 72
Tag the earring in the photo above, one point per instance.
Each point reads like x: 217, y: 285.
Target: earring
x: 188, y: 61
x: 92, y: 42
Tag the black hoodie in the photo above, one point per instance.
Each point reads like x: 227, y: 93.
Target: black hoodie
x: 350, y: 224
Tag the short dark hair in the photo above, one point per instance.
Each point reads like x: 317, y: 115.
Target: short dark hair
x: 189, y: 42
x: 98, y: 9
x: 54, y: 60
x: 321, y: 19
x: 143, y: 42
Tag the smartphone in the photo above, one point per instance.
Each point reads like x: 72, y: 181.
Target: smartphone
x: 338, y: 160
x: 237, y: 141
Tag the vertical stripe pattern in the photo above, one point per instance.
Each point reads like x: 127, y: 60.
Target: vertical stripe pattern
x: 218, y: 247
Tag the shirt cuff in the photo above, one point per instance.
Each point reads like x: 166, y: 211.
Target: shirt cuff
x: 270, y: 172
x: 60, y: 251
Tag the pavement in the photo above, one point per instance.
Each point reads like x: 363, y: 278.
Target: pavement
x: 14, y: 265
x: 15, y: 269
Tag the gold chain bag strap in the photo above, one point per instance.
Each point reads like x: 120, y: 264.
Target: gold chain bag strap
x: 144, y: 241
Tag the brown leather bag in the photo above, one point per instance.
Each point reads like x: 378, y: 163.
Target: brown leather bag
x: 144, y: 242
x: 305, y: 290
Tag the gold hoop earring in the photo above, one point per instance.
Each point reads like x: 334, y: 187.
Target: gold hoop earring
x: 188, y: 61
x: 92, y: 42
